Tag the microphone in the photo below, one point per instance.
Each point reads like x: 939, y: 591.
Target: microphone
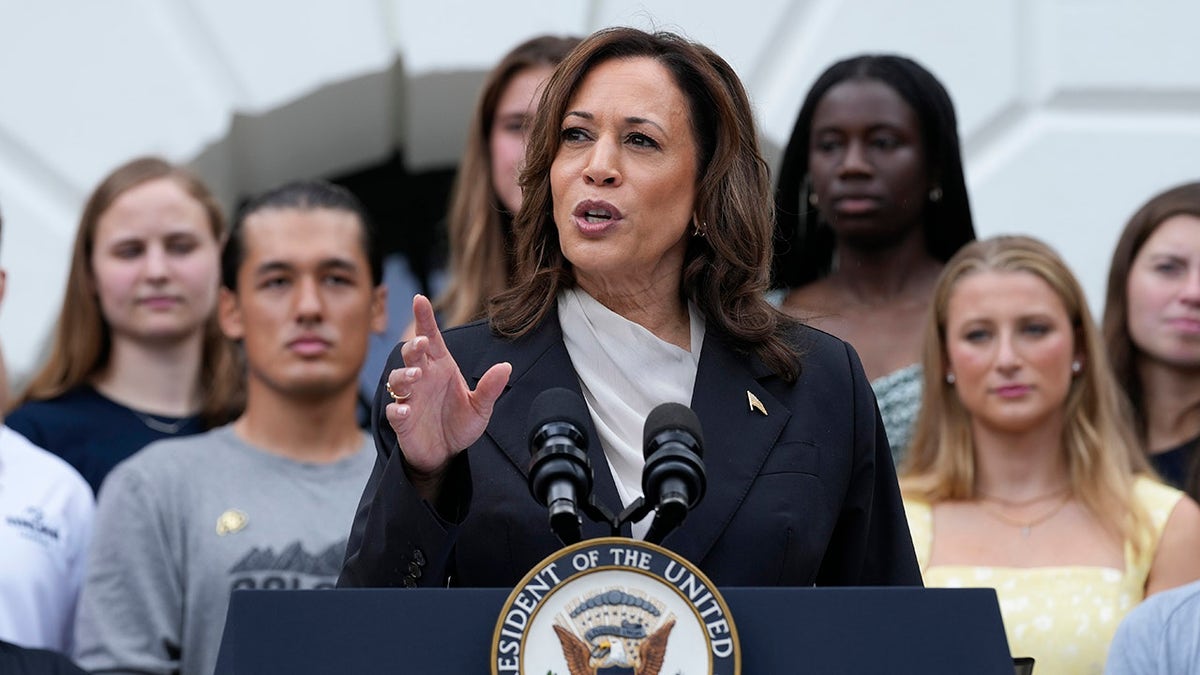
x: 560, y: 475
x: 673, y: 479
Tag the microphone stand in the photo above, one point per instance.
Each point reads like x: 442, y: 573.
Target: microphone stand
x: 631, y: 514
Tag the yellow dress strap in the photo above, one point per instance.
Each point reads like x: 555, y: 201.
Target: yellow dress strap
x: 920, y: 525
x: 1159, y: 501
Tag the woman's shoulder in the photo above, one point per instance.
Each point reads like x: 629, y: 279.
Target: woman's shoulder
x: 829, y: 372
x: 460, y: 340
x: 919, y: 514
x: 817, y: 348
x: 917, y: 507
x: 1157, y: 498
x: 477, y: 346
x: 469, y: 338
x: 38, y: 418
x: 83, y: 394
x: 37, y: 464
x: 803, y: 334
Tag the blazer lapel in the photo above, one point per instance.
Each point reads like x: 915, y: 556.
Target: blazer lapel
x: 737, y: 440
x: 540, y: 362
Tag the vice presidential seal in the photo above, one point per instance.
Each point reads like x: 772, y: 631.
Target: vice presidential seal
x: 613, y: 605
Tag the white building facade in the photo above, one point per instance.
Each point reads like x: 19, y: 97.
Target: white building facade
x: 1072, y: 112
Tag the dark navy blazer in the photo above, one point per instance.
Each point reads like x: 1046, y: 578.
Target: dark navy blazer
x: 803, y: 495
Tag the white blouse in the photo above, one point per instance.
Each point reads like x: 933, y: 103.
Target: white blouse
x: 625, y: 371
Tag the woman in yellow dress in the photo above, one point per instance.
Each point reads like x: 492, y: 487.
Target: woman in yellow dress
x: 1024, y: 474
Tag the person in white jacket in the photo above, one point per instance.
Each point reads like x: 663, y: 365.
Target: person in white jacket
x: 46, y: 511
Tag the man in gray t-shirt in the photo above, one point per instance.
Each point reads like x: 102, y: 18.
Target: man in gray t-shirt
x: 1161, y: 636
x: 267, y: 501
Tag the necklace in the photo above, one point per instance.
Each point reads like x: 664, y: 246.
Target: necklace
x: 1018, y: 503
x: 158, y: 425
x: 1026, y: 526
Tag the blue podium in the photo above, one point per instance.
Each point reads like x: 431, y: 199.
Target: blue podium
x: 847, y: 631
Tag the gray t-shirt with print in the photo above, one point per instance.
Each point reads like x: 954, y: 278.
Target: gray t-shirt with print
x: 1161, y: 636
x: 186, y: 521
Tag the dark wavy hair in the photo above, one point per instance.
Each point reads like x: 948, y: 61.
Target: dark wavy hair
x: 725, y: 272
x: 804, y: 241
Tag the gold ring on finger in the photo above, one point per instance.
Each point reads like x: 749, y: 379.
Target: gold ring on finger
x: 397, y: 397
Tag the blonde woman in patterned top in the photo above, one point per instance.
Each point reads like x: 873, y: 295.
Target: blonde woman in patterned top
x: 1024, y: 474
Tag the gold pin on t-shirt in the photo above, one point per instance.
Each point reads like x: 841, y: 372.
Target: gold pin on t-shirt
x: 231, y: 521
x: 755, y: 404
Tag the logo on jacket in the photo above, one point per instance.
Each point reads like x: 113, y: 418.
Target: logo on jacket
x: 31, y: 524
x: 608, y: 606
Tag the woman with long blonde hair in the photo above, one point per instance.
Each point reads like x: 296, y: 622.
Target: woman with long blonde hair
x: 1024, y: 474
x: 137, y: 355
x: 486, y: 195
x: 483, y: 201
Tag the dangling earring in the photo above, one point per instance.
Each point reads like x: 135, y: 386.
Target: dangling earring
x: 935, y: 194
x: 698, y: 229
x: 950, y: 379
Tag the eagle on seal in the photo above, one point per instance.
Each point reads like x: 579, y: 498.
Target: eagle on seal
x: 606, y: 652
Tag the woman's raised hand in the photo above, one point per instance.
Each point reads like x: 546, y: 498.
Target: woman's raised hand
x: 434, y: 414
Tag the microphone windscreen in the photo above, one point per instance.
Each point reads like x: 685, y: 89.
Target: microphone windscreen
x: 672, y: 417
x: 557, y: 405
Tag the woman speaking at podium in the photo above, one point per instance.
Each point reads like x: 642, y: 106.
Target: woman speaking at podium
x: 642, y: 253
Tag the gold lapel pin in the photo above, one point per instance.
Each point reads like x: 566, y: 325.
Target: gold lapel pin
x: 231, y: 521
x: 755, y: 404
